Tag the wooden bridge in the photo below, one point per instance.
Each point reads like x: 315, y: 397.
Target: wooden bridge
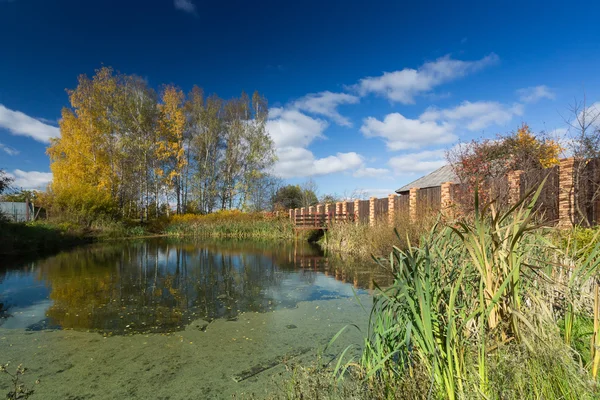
x: 320, y: 221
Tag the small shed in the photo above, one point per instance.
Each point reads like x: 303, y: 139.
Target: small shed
x: 434, y: 179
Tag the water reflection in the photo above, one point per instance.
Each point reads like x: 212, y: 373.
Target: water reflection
x: 163, y: 285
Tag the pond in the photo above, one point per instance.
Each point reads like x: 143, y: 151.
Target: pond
x: 164, y: 319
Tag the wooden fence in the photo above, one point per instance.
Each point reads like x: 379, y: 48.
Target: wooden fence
x: 563, y: 199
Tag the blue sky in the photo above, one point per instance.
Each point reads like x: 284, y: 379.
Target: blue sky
x: 363, y: 95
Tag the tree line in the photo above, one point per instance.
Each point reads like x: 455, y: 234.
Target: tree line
x: 127, y: 149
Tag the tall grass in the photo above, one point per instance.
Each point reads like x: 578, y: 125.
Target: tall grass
x: 476, y: 311
x: 231, y: 224
x: 364, y: 240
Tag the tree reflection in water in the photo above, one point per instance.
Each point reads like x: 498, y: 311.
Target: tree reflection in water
x: 162, y: 285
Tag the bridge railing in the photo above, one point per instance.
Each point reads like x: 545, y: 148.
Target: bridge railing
x: 321, y: 220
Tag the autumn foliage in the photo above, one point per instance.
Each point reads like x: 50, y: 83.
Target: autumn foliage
x: 488, y: 159
x: 130, y: 152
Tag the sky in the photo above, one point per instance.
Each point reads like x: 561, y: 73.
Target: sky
x: 364, y: 96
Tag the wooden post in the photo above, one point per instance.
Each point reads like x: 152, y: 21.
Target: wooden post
x: 392, y: 208
x: 566, y: 194
x: 413, y: 204
x: 514, y: 186
x: 372, y: 210
x: 357, y: 211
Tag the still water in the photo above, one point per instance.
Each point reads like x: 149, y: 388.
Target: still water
x: 163, y: 319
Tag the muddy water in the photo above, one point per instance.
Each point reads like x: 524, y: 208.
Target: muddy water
x: 159, y: 319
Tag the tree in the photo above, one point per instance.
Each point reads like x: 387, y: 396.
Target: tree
x: 170, y: 151
x: 293, y: 196
x: 5, y: 181
x: 261, y: 193
x: 135, y: 152
x: 482, y: 160
x: 584, y: 134
x: 309, y: 193
x: 329, y: 198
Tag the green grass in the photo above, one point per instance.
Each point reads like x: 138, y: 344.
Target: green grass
x: 231, y: 224
x: 487, y: 307
x: 364, y: 240
x: 37, y: 238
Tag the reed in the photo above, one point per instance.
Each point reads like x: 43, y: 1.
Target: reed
x: 479, y: 308
x: 231, y: 224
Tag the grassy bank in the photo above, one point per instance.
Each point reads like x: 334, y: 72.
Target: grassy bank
x: 231, y: 224
x: 36, y: 239
x: 365, y: 240
x: 61, y: 233
x: 493, y: 307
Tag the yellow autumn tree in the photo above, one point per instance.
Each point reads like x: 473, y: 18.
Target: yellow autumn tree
x: 81, y: 160
x: 170, y: 151
x: 126, y: 151
x: 530, y: 151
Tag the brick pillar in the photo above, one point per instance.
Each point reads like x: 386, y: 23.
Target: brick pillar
x: 338, y: 210
x: 412, y: 201
x: 447, y: 200
x: 566, y: 194
x: 372, y: 211
x: 356, y: 211
x: 292, y: 214
x: 345, y: 210
x: 327, y: 211
x: 514, y: 187
x: 311, y: 210
x: 302, y: 211
x: 392, y: 198
x: 320, y: 208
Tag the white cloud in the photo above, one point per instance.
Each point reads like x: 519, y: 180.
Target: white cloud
x: 402, y: 86
x: 535, y: 93
x: 368, y: 172
x: 293, y: 131
x: 30, y: 179
x: 475, y: 116
x: 300, y: 162
x: 291, y: 128
x: 185, y: 5
x: 9, y: 150
x: 403, y: 133
x: 326, y: 103
x: 23, y: 125
x: 418, y: 163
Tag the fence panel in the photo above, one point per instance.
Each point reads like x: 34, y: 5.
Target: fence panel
x: 429, y: 200
x: 462, y: 197
x: 547, y: 203
x: 496, y: 190
x: 588, y: 193
x: 402, y: 205
x: 363, y: 209
x: 17, y: 212
x: 350, y: 208
x: 381, y: 208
